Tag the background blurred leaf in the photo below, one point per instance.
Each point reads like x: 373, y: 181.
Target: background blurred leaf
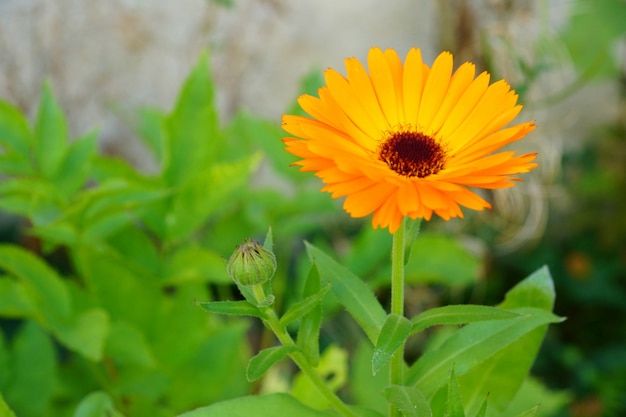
x: 50, y: 134
x: 96, y: 404
x: 439, y: 259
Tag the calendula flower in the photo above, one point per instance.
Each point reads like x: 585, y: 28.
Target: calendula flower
x: 406, y: 139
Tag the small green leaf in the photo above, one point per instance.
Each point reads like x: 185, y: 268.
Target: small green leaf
x: 458, y: 314
x: 235, y: 308
x: 529, y: 413
x: 482, y: 412
x: 127, y: 345
x: 351, y: 292
x: 410, y: 401
x: 258, y: 406
x: 76, y: 164
x: 535, y: 291
x: 32, y: 366
x: 15, y: 134
x: 268, y: 243
x: 5, y: 411
x: 151, y: 129
x: 42, y: 282
x: 264, y: 360
x: 192, y: 129
x: 393, y: 334
x: 50, y: 134
x: 309, y: 330
x: 303, y: 307
x: 454, y: 403
x: 85, y: 334
x: 96, y: 404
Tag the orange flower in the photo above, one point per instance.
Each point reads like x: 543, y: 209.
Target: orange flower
x: 406, y: 139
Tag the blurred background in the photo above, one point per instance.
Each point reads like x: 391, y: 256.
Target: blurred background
x: 566, y: 59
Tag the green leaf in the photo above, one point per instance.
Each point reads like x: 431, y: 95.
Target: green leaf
x: 76, y: 165
x: 50, y: 134
x: 458, y: 314
x: 192, y: 129
x: 393, y: 334
x: 529, y: 413
x: 303, y: 307
x: 96, y: 404
x: 454, y: 403
x: 15, y: 300
x: 482, y: 412
x: 535, y: 291
x: 268, y: 243
x: 408, y: 400
x: 502, y: 374
x: 127, y: 345
x: 43, y: 285
x: 259, y: 406
x: 85, y: 334
x: 332, y: 368
x: 255, y: 133
x: 5, y: 411
x: 309, y: 330
x: 235, y: 308
x: 472, y: 345
x: 351, y: 292
x: 206, y: 193
x: 15, y: 134
x: 440, y: 259
x: 195, y: 264
x: 33, y: 366
x: 265, y: 359
x: 151, y: 129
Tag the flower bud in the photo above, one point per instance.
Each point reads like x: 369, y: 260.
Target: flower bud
x: 251, y: 264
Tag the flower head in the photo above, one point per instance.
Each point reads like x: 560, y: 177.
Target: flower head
x: 406, y: 139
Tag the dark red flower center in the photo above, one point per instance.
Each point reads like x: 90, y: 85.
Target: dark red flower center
x: 412, y: 154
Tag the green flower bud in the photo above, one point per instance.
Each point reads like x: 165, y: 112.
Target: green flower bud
x: 251, y: 264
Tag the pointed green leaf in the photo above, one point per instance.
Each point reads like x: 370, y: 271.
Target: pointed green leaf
x: 502, y: 374
x: 258, y: 406
x: 482, y: 412
x: 309, y: 330
x: 15, y: 133
x: 50, y: 134
x: 32, y: 366
x: 535, y: 291
x: 192, y: 129
x: 410, y: 401
x: 454, y: 403
x: 472, y: 345
x: 41, y: 282
x: 206, y: 193
x: 75, y: 167
x: 458, y: 314
x: 351, y: 292
x: 96, y: 404
x: 264, y: 360
x: 5, y: 411
x: 393, y: 334
x: 303, y: 307
x: 268, y: 243
x: 150, y: 127
x: 234, y: 308
x: 529, y: 413
x: 85, y: 333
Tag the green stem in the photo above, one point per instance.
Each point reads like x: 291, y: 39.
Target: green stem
x: 272, y: 321
x: 396, y: 370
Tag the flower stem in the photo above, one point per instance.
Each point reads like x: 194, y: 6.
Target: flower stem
x: 272, y: 321
x: 396, y: 370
